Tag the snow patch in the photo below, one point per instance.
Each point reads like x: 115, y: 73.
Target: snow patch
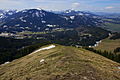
x: 90, y: 46
x: 39, y: 28
x: 50, y: 25
x: 27, y: 27
x: 95, y: 17
x: 85, y: 78
x: 37, y: 14
x: 47, y: 29
x: 24, y: 21
x: 17, y: 25
x: 96, y: 44
x: 6, y: 63
x: 21, y: 18
x: 118, y: 67
x: 66, y: 18
x: 72, y: 17
x: 87, y: 14
x: 10, y: 13
x: 110, y: 34
x: 69, y: 11
x: 71, y: 21
x: 33, y: 15
x: 30, y: 23
x: 23, y: 11
x: 12, y: 18
x: 81, y: 14
x: 45, y: 48
x: 5, y: 26
x: 43, y: 21
x: 38, y: 8
x: 22, y: 27
x: 35, y: 26
x: 1, y: 14
x: 42, y: 60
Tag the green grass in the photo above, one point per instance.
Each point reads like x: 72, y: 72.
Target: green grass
x: 108, y: 19
x: 112, y: 27
x: 61, y: 63
x: 108, y: 45
x: 28, y: 32
x: 44, y: 32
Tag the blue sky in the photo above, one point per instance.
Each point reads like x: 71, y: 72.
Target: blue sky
x: 83, y: 5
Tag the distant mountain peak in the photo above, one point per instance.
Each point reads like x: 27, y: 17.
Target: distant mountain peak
x: 6, y: 13
x: 69, y: 11
x: 39, y: 8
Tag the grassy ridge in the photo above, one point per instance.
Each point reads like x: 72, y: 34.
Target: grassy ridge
x: 61, y: 63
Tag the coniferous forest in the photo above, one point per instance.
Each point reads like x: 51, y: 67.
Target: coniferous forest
x: 110, y: 55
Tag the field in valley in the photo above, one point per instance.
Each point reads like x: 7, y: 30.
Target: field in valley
x: 108, y: 45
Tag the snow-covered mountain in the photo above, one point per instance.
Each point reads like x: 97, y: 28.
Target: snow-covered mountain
x: 5, y: 13
x: 40, y: 20
x: 75, y: 12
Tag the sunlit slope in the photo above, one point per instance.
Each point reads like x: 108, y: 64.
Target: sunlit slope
x: 61, y: 63
x: 108, y: 45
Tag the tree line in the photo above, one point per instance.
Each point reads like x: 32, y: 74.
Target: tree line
x: 17, y: 49
x: 110, y: 55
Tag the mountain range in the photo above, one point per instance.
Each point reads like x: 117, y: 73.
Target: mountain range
x: 6, y: 13
x: 36, y: 44
x: 41, y: 20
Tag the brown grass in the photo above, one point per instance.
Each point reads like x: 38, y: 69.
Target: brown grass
x: 61, y: 63
x: 108, y: 45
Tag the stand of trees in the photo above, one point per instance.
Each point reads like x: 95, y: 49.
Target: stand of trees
x: 109, y: 55
x: 82, y: 36
x: 117, y: 50
x: 14, y: 49
x: 115, y: 36
x: 11, y: 48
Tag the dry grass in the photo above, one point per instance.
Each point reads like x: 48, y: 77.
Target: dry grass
x: 108, y: 45
x: 61, y: 63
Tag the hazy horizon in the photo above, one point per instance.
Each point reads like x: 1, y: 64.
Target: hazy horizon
x: 108, y: 6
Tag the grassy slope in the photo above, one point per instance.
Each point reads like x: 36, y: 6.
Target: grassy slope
x: 61, y: 63
x: 108, y: 45
x: 113, y: 27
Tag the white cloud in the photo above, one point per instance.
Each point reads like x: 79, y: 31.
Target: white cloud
x: 49, y: 0
x: 7, y: 4
x: 75, y: 5
x: 109, y: 7
x: 39, y: 0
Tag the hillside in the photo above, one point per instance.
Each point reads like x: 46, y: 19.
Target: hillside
x: 38, y: 20
x: 108, y: 45
x: 111, y: 24
x: 61, y: 63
